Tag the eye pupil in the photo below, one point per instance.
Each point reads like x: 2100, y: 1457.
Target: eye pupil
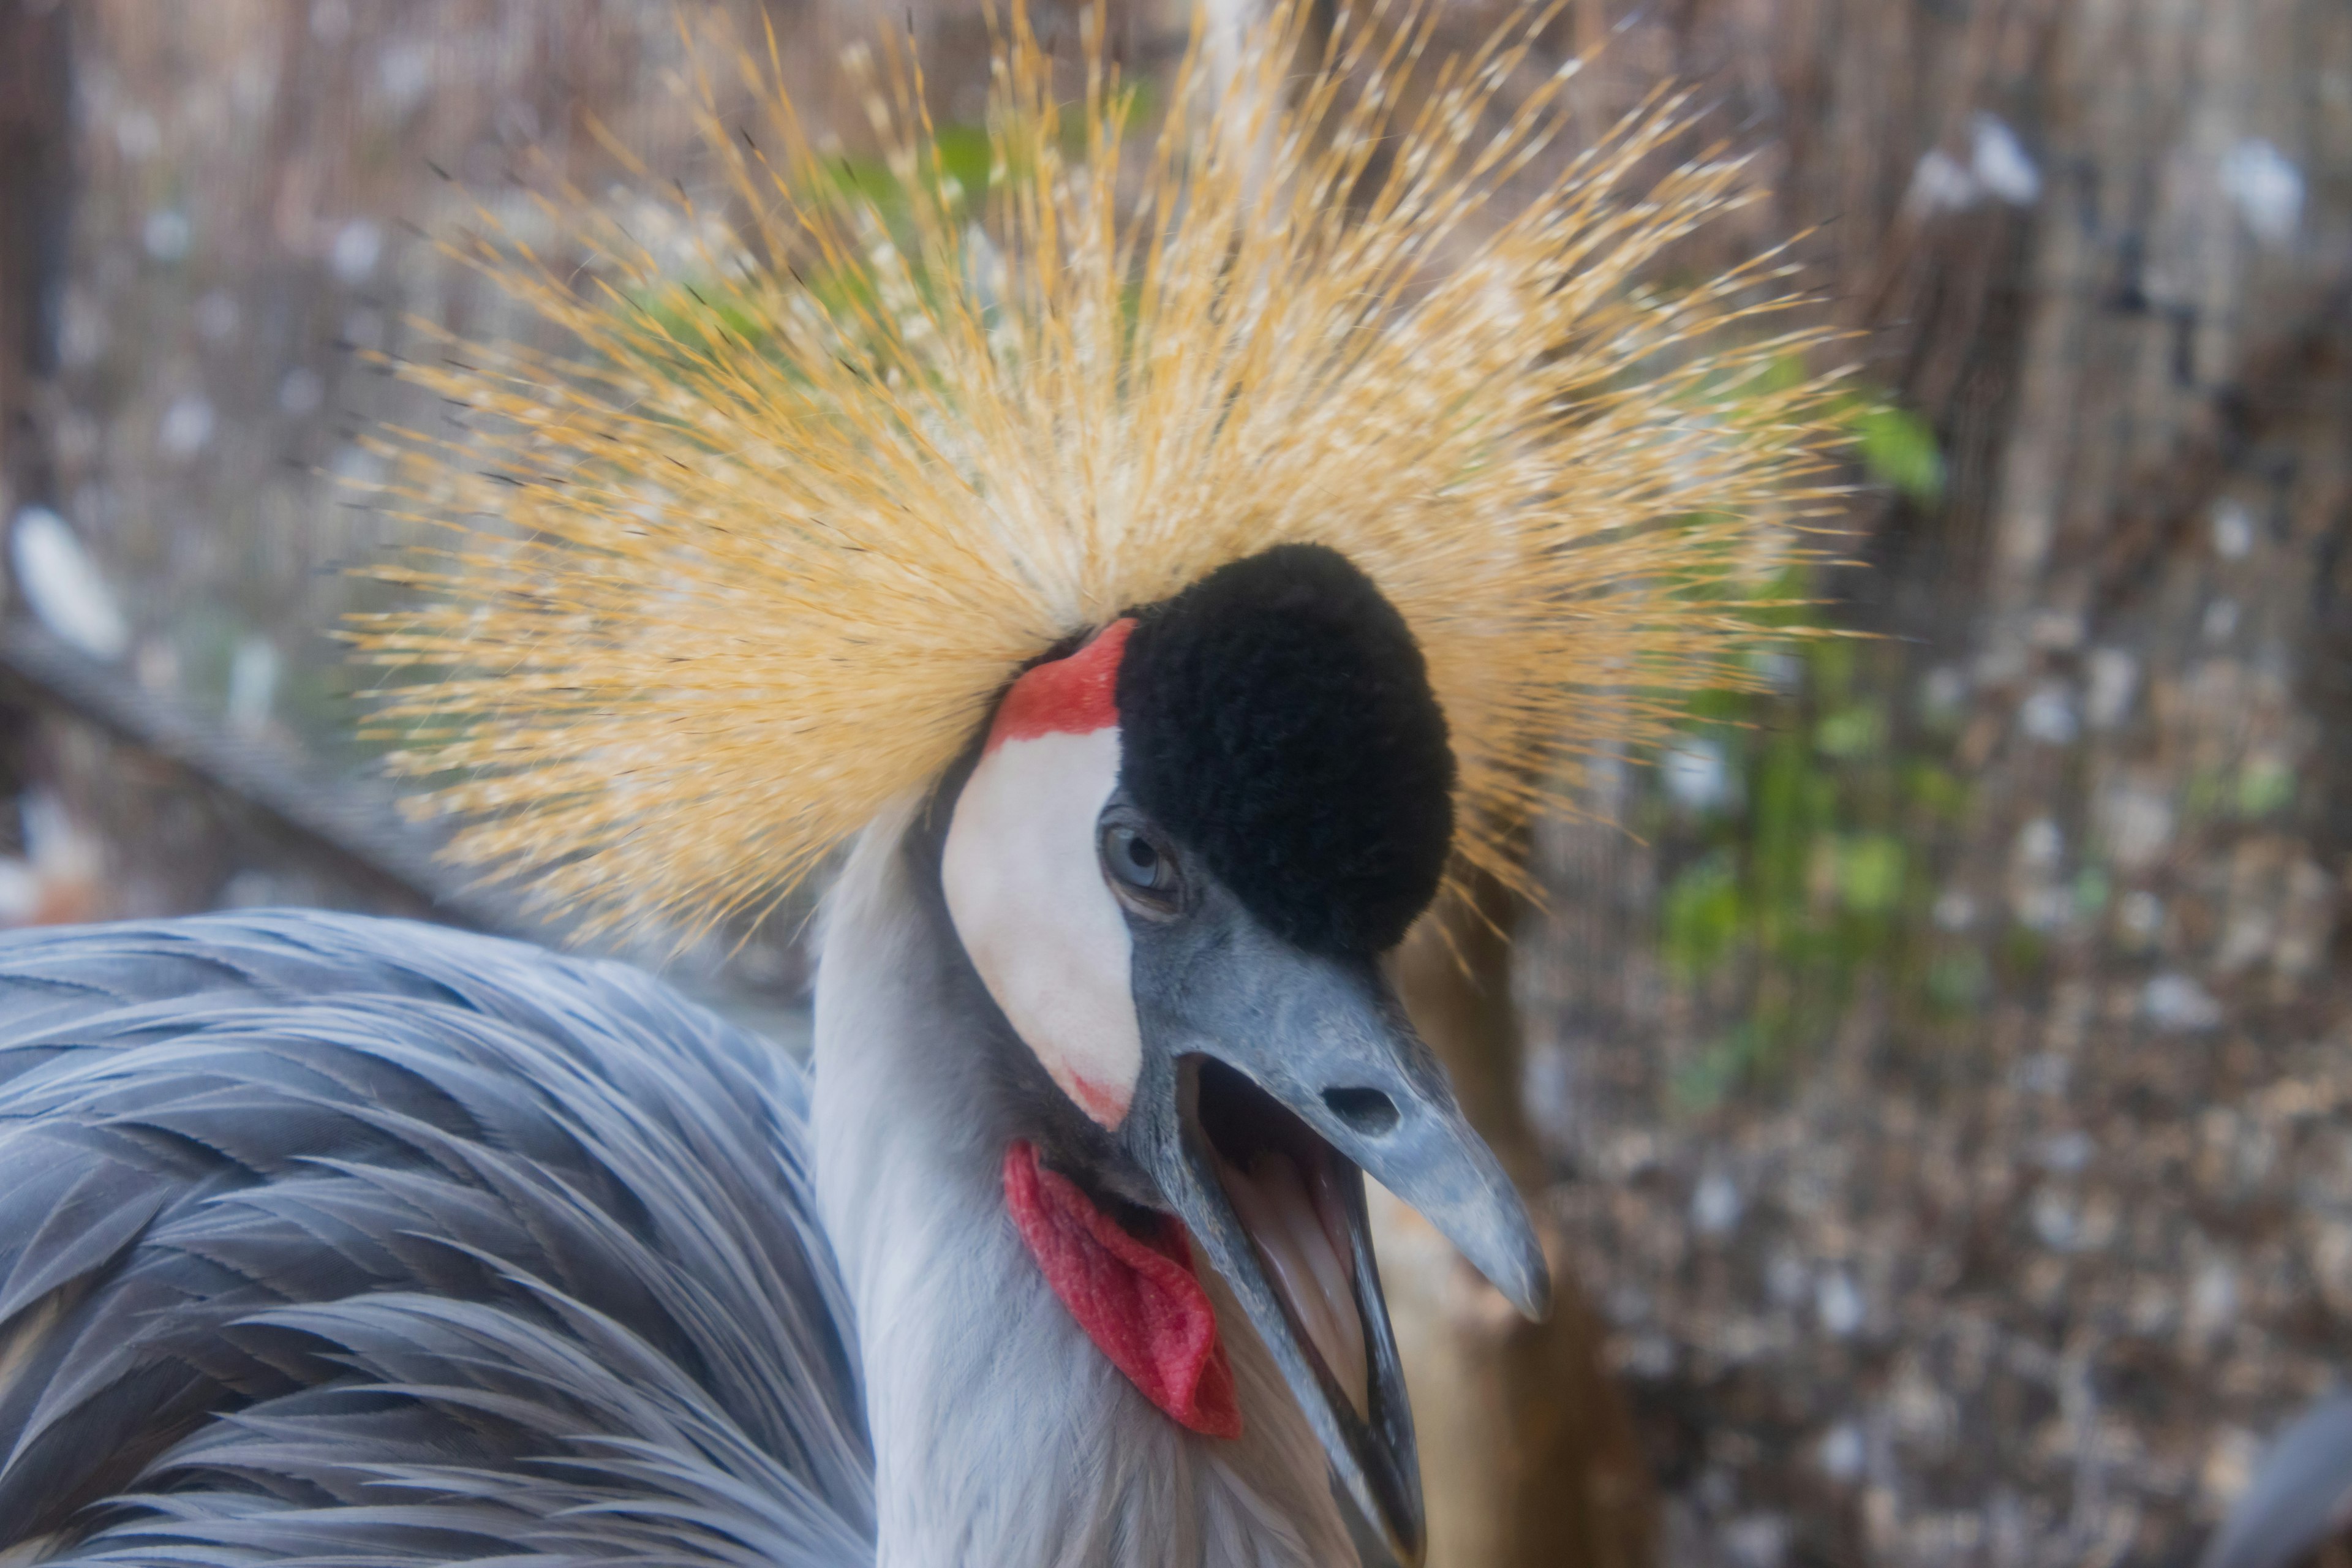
x: 1135, y: 862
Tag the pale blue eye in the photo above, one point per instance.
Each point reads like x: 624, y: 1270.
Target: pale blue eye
x: 1136, y: 860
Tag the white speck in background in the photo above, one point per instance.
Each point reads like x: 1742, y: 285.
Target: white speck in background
x: 58, y: 874
x: 1649, y: 1357
x: 252, y: 683
x: 2115, y: 681
x: 166, y: 234
x: 57, y: 844
x: 20, y: 891
x: 1838, y: 1304
x: 2048, y: 715
x: 1757, y: 1541
x: 1716, y: 1205
x: 2176, y: 1002
x: 2043, y: 909
x: 405, y: 72
x: 2057, y: 630
x: 2066, y: 1152
x: 356, y: 465
x: 1945, y: 691
x: 301, y: 393
x: 1844, y: 1452
x: 1940, y: 183
x: 1548, y: 1087
x: 63, y: 586
x: 2234, y: 529
x: 1695, y: 777
x: 2000, y: 163
x: 2053, y: 1221
x: 188, y: 426
x: 2044, y: 1072
x: 1998, y: 166
x: 82, y: 333
x: 358, y: 246
x: 2213, y: 1299
x: 2135, y: 823
x: 138, y: 135
x: 1786, y: 1279
x: 216, y: 316
x: 2266, y: 188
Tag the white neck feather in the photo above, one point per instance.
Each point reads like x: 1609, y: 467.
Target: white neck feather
x: 1000, y: 1434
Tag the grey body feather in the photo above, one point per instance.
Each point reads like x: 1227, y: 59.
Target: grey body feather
x: 336, y: 1240
x: 2300, y: 1495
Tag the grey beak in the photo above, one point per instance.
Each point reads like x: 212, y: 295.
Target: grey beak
x: 1222, y: 1001
x: 1329, y: 1040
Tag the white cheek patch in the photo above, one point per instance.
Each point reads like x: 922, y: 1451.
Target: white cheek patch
x: 1030, y: 905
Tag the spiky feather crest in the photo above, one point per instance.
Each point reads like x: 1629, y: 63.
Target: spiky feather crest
x: 761, y: 551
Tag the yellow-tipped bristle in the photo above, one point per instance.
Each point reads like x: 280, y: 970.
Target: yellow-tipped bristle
x: 762, y: 548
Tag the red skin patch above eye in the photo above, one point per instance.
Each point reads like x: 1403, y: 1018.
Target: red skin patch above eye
x: 1072, y: 696
x: 1137, y: 1300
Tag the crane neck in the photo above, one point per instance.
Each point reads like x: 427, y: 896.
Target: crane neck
x: 1002, y: 1434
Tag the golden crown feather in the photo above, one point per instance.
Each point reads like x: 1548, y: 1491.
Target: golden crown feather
x: 753, y: 559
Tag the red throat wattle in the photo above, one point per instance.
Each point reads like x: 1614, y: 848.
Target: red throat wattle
x: 1137, y: 1300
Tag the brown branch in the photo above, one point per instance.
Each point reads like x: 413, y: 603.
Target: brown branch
x: 355, y: 828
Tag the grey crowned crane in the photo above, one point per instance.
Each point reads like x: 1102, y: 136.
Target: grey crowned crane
x: 1143, y: 574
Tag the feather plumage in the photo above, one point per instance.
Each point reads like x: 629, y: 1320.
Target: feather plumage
x: 762, y: 551
x: 2299, y: 1499
x: 361, y: 1241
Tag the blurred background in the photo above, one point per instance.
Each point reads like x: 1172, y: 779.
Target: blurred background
x: 1935, y: 1075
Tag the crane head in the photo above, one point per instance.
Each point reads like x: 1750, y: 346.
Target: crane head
x: 1175, y: 862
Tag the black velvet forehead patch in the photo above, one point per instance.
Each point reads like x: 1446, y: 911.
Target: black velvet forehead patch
x: 1277, y: 718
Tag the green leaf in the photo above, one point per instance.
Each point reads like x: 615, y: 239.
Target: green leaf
x: 965, y: 155
x: 2207, y: 789
x: 1937, y: 791
x: 1870, y: 873
x: 1898, y: 450
x: 2265, y: 787
x: 1706, y: 1082
x: 1958, y: 981
x: 1851, y: 733
x: 1703, y: 915
x: 2092, y: 891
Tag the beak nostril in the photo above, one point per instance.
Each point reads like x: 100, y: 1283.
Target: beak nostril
x: 1365, y: 1110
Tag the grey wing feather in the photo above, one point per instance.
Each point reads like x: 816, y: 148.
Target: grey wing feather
x: 2300, y: 1495
x: 332, y: 1239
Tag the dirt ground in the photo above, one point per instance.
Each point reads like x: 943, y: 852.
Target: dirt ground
x: 2036, y: 1301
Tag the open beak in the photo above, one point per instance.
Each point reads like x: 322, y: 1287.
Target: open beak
x: 1293, y: 1076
